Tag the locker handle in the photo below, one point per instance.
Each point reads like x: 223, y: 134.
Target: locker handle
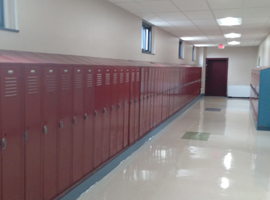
x: 136, y: 101
x: 104, y: 111
x: 4, y: 144
x: 112, y: 108
x: 141, y: 98
x: 119, y: 106
x: 45, y: 130
x: 74, y: 120
x: 131, y: 102
x: 85, y: 116
x: 125, y: 104
x: 96, y: 113
x: 61, y: 125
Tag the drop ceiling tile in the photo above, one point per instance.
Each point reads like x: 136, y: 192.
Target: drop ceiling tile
x: 181, y: 23
x: 199, y: 15
x: 255, y: 20
x: 225, y: 4
x: 149, y: 17
x: 170, y: 29
x: 256, y: 12
x: 120, y: 1
x: 161, y: 24
x: 194, y: 34
x: 159, y: 6
x: 255, y: 3
x: 227, y: 13
x: 208, y: 28
x: 212, y: 32
x: 215, y: 37
x: 132, y: 7
x: 189, y: 5
x: 210, y: 22
x: 172, y: 16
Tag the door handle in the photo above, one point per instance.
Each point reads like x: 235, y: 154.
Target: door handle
x: 61, y: 125
x: 96, y: 113
x: 45, y: 130
x: 104, y: 111
x: 4, y: 144
x: 85, y: 116
x: 74, y: 120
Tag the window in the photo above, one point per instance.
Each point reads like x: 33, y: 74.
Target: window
x: 146, y: 37
x: 2, y: 24
x: 180, y: 49
x: 193, y: 53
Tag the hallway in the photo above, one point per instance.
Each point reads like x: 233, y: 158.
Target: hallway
x: 227, y: 159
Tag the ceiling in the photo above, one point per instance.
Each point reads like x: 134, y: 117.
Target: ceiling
x: 197, y: 18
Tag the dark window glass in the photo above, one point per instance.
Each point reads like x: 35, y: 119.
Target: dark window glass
x: 2, y: 24
x: 193, y: 53
x: 180, y: 49
x: 146, y: 37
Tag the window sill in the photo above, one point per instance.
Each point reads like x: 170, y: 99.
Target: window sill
x: 10, y: 30
x: 181, y: 58
x: 150, y: 53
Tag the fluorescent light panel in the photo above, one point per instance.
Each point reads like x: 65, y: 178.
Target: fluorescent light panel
x: 234, y: 43
x: 232, y: 35
x: 229, y: 21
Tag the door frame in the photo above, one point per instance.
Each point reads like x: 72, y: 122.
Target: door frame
x: 227, y: 66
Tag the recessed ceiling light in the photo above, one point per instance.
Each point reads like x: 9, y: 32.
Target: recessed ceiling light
x: 229, y: 21
x: 234, y: 43
x: 204, y: 45
x: 187, y: 38
x: 232, y: 35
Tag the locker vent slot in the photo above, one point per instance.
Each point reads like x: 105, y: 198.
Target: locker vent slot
x: 99, y: 79
x: 121, y: 77
x: 114, y: 78
x: 78, y: 81
x: 32, y: 85
x: 50, y: 83
x: 127, y: 78
x: 89, y: 80
x: 138, y: 76
x: 65, y: 82
x: 107, y: 79
x: 10, y: 86
x: 133, y: 77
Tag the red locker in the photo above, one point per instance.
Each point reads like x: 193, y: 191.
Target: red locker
x: 98, y: 116
x: 89, y: 107
x: 65, y: 127
x: 151, y: 99
x: 136, y: 102
x: 114, y: 111
x: 11, y: 133
x: 146, y: 100
x: 77, y: 120
x: 107, y: 113
x: 142, y: 108
x: 50, y: 128
x: 126, y: 105
x: 120, y: 107
x: 32, y: 127
x: 132, y: 107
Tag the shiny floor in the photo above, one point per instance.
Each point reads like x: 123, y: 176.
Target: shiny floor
x: 234, y: 163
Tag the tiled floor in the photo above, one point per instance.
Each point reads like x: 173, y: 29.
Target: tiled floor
x: 233, y: 164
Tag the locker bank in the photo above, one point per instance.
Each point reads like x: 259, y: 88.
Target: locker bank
x: 116, y: 99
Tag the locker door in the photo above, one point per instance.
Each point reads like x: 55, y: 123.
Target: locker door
x: 32, y: 127
x: 151, y: 101
x: 126, y: 105
x: 120, y: 107
x: 114, y: 111
x: 132, y: 107
x: 137, y: 102
x: 89, y: 107
x: 156, y: 97
x: 142, y: 116
x: 64, y: 156
x: 78, y: 118
x: 145, y: 99
x: 98, y: 116
x: 12, y: 134
x: 107, y: 114
x: 50, y: 128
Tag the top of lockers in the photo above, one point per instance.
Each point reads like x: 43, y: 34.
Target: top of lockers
x: 45, y: 58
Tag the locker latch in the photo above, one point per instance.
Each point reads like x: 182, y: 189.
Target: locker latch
x: 104, y: 111
x: 4, y: 144
x: 125, y: 104
x: 74, y: 120
x: 85, y: 116
x: 141, y: 98
x: 136, y: 100
x: 45, y: 130
x: 61, y: 125
x: 131, y: 102
x: 96, y: 113
x: 25, y: 136
x: 119, y: 106
x: 112, y: 108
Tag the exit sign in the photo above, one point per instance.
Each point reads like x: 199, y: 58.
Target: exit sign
x: 221, y: 46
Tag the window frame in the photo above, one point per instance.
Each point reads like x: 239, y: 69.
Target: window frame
x: 144, y: 45
x: 2, y: 19
x: 180, y: 50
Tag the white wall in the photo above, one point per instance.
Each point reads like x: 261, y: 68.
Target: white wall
x: 264, y: 52
x: 241, y: 61
x: 95, y: 28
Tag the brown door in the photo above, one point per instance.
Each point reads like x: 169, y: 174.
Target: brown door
x: 216, y: 77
